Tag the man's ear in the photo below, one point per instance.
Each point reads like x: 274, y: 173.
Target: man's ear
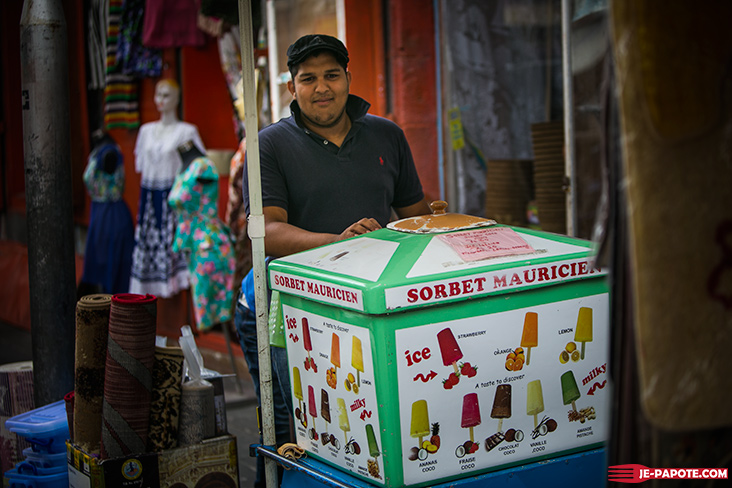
x: 291, y: 88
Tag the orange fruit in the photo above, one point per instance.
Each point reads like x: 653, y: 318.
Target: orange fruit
x: 509, y: 364
x: 518, y: 364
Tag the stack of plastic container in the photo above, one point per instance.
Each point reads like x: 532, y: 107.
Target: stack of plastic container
x: 45, y: 464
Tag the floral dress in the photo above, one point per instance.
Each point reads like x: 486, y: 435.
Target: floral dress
x: 194, y: 198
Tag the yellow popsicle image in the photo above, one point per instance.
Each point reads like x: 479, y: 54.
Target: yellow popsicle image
x: 297, y: 385
x: 343, y: 423
x: 583, y: 331
x: 530, y: 334
x: 534, y: 399
x: 357, y: 358
x: 420, y: 425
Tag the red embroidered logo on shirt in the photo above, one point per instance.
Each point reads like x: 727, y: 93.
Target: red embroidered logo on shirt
x: 381, y: 161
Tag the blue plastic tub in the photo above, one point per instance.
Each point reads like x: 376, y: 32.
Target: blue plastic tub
x: 14, y: 479
x: 45, y: 459
x: 46, y: 428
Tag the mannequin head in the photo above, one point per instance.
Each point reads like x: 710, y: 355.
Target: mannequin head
x: 167, y: 96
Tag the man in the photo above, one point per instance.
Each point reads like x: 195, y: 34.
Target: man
x: 329, y: 172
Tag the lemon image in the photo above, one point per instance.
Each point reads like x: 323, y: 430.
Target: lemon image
x: 571, y: 347
x: 564, y: 357
x: 575, y: 356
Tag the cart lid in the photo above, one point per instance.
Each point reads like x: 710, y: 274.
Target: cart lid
x: 388, y: 270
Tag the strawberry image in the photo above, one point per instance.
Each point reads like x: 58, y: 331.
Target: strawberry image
x: 451, y: 381
x: 468, y: 370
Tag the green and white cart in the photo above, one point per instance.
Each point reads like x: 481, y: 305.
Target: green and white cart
x: 419, y: 358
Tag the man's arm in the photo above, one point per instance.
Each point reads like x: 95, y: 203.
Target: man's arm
x: 419, y: 208
x: 283, y: 239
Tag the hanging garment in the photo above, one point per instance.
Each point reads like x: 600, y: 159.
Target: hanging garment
x: 121, y: 109
x: 156, y: 268
x: 171, y: 23
x: 133, y: 57
x: 194, y: 197
x: 110, y: 236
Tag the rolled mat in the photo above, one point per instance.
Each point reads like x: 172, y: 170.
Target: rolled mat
x: 92, y: 330
x: 128, y: 375
x: 165, y: 404
x: 16, y: 397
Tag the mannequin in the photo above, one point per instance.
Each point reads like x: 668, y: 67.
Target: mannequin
x: 110, y: 236
x: 194, y: 197
x: 156, y: 268
x: 188, y: 152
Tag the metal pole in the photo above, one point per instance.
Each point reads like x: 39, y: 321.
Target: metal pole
x: 438, y: 89
x: 569, y: 161
x: 46, y: 148
x: 256, y: 233
x: 274, y: 62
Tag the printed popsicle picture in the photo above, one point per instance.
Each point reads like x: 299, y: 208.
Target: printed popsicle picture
x: 357, y: 360
x: 534, y: 399
x: 372, y: 464
x: 534, y: 406
x: 335, y: 350
x: 451, y: 354
x: 308, y: 345
x: 297, y: 390
x: 530, y: 334
x: 343, y: 423
x: 419, y: 427
x: 501, y: 405
x: 371, y: 437
x: 583, y: 331
x: 449, y: 348
x: 570, y: 392
x: 469, y: 420
x: 325, y: 413
x: 313, y: 411
x: 331, y: 375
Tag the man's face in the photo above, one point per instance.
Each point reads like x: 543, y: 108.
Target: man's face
x: 320, y: 88
x: 166, y: 98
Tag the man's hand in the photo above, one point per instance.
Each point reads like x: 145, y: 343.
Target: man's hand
x: 283, y: 239
x: 361, y: 227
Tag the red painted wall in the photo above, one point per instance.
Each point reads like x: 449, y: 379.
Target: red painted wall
x: 413, y: 87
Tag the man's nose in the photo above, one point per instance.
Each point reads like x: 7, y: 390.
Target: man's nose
x: 321, y: 85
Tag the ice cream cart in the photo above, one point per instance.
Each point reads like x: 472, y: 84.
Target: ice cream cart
x: 418, y: 357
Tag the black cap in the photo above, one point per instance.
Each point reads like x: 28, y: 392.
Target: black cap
x: 306, y: 45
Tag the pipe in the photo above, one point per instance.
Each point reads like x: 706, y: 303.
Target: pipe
x: 274, y: 63
x: 255, y: 229
x: 47, y: 159
x: 570, y: 168
x: 438, y: 86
